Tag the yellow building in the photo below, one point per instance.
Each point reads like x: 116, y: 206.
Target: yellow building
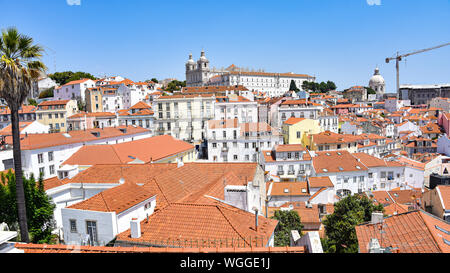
x: 294, y: 129
x: 329, y: 141
x: 94, y: 100
x: 54, y: 113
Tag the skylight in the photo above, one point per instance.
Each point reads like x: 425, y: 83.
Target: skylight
x: 358, y: 167
x: 325, y: 170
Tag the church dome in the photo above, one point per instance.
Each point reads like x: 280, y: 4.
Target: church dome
x: 376, y: 79
x: 190, y: 61
x: 202, y: 57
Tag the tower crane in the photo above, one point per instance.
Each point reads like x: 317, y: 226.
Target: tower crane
x: 398, y: 58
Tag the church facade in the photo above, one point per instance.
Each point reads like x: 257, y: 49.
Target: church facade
x: 274, y: 84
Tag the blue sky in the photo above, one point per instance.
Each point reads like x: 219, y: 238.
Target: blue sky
x: 334, y: 40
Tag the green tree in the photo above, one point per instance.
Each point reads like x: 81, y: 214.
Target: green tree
x: 67, y: 76
x: 175, y: 85
x: 39, y: 206
x: 47, y: 93
x: 287, y: 221
x: 340, y: 226
x: 154, y: 80
x: 32, y: 102
x: 331, y: 86
x: 323, y: 87
x: 370, y: 91
x: 20, y: 66
x: 293, y: 87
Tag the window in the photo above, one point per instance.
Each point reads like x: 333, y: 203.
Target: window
x: 235, y: 157
x: 361, y: 178
x: 50, y: 156
x: 383, y: 175
x: 52, y: 169
x: 214, y: 145
x: 299, y: 134
x: 91, y: 230
x: 42, y: 171
x: 73, y: 225
x: 40, y: 158
x: 370, y: 175
x: 246, y: 145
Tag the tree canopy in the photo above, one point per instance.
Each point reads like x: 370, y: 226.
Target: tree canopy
x: 340, y: 226
x: 175, y: 85
x: 39, y: 207
x: 67, y: 76
x: 293, y: 87
x: 322, y: 86
x: 47, y: 93
x: 288, y: 220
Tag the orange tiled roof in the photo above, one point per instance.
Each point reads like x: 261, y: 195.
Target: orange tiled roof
x: 37, y: 141
x: 410, y: 232
x: 307, y: 215
x: 117, y: 199
x: 44, y: 248
x: 319, y: 182
x: 445, y: 194
x: 293, y: 120
x: 288, y: 189
x: 180, y: 222
x: 148, y: 149
x: 329, y: 137
x: 336, y: 161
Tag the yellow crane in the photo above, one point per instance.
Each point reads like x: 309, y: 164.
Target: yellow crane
x: 398, y: 58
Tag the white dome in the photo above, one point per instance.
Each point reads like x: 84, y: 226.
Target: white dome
x: 376, y: 79
x: 202, y: 57
x: 190, y: 61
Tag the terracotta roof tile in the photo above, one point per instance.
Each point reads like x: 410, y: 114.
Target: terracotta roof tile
x: 180, y: 223
x: 410, y: 232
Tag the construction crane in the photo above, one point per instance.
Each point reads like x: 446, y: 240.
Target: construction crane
x: 398, y: 58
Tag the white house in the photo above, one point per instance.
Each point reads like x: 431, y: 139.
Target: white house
x: 44, y: 153
x: 288, y: 162
x: 231, y: 141
x: 97, y: 220
x: 236, y: 107
x: 73, y: 90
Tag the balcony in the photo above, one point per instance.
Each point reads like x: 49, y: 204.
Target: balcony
x: 280, y: 172
x: 291, y: 172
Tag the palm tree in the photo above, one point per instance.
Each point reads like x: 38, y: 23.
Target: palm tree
x: 20, y: 65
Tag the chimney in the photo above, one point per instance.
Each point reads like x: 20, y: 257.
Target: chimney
x: 256, y: 218
x: 377, y: 217
x: 135, y: 228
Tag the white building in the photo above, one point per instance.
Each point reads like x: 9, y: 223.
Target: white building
x: 290, y: 162
x: 231, y: 141
x: 274, y: 84
x: 73, y: 90
x: 377, y: 83
x: 44, y: 153
x: 393, y: 104
x: 184, y: 116
x: 236, y: 107
x: 299, y: 109
x: 140, y: 114
x: 97, y: 220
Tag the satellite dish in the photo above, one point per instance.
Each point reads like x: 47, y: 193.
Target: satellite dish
x: 122, y: 180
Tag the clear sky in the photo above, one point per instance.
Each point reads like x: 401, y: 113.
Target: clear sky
x: 338, y: 40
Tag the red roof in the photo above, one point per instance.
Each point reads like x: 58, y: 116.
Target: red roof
x: 410, y: 232
x: 148, y: 149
